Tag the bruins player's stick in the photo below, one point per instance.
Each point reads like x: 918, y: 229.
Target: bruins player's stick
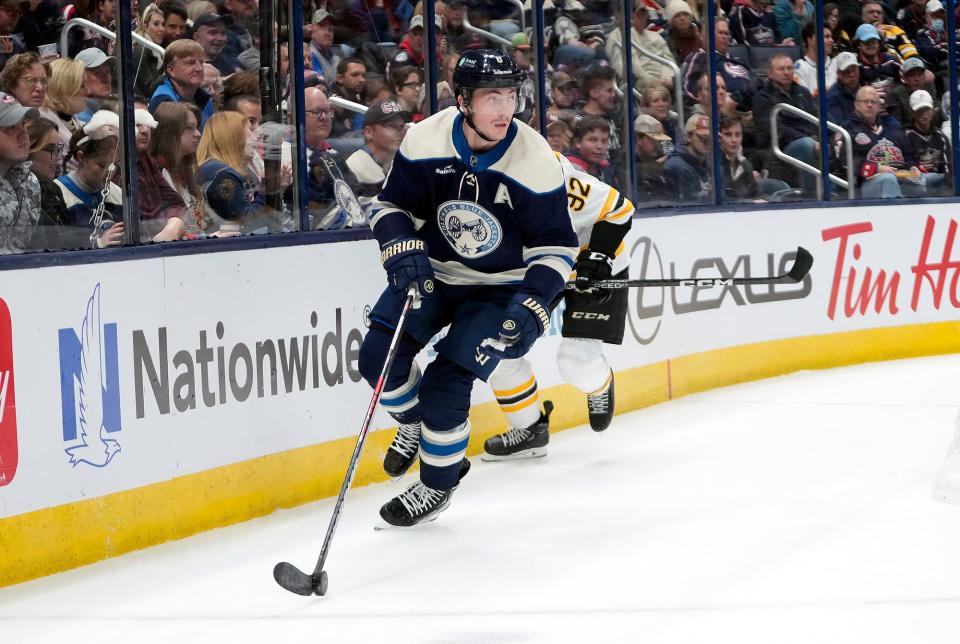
x: 801, y: 266
x: 288, y: 575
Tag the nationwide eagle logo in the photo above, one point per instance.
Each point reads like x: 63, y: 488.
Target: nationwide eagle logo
x: 469, y: 228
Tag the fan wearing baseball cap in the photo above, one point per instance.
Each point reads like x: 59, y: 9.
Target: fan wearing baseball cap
x: 384, y: 125
x: 877, y: 67
x: 686, y: 169
x: 929, y: 144
x: 913, y: 76
x: 931, y: 40
x: 841, y: 97
x: 19, y: 188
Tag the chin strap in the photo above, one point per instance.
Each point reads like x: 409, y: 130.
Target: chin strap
x: 466, y: 117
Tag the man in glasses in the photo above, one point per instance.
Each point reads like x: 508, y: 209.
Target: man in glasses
x: 473, y: 217
x: 325, y: 169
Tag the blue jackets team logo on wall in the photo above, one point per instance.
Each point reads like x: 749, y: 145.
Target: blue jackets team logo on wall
x: 469, y: 228
x: 90, y: 388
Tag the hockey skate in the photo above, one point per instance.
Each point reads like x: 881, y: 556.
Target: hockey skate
x: 600, y: 407
x: 403, y: 450
x: 529, y: 442
x: 946, y: 485
x: 417, y: 504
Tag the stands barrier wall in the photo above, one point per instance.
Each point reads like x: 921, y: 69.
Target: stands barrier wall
x: 230, y: 386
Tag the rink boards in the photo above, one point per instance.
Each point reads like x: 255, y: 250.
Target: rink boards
x: 148, y: 399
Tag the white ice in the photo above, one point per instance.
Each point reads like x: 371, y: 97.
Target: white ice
x: 796, y: 509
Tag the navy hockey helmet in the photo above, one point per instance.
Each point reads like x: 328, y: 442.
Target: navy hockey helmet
x: 485, y: 68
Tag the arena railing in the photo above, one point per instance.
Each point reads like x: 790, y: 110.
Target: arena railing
x: 849, y: 183
x: 106, y: 33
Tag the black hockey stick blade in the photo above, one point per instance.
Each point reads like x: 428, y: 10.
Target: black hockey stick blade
x: 291, y: 578
x: 801, y: 264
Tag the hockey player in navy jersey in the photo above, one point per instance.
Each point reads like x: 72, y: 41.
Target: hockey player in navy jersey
x: 601, y: 218
x: 474, y: 215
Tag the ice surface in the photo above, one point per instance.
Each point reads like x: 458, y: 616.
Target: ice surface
x: 795, y: 509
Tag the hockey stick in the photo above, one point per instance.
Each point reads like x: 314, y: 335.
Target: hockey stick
x: 288, y: 575
x: 801, y: 266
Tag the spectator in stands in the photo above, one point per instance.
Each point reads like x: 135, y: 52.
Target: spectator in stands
x: 805, y: 69
x: 445, y: 97
x: 241, y: 84
x: 877, y: 68
x: 880, y: 150
x: 791, y: 16
x: 324, y: 57
x: 911, y: 17
x: 598, y: 89
x: 40, y: 24
x: 223, y: 157
x: 681, y: 34
x: 656, y: 103
x: 687, y: 172
x: 213, y: 85
x: 350, y: 81
x: 841, y: 97
x: 913, y: 79
x: 591, y: 148
x: 174, y: 148
x: 646, y: 71
x: 210, y: 31
x: 831, y: 20
x: 795, y: 136
x: 408, y: 88
x: 563, y: 95
x: 653, y: 148
x: 559, y: 135
x: 753, y: 23
x: 66, y: 97
x: 739, y: 79
x: 893, y: 39
x: 183, y: 67
x: 160, y: 208
x: 237, y: 16
x: 19, y: 188
x: 147, y: 64
x: 249, y: 106
x: 79, y: 39
x: 25, y: 78
x: 930, y: 147
x: 174, y: 22
x: 453, y: 12
x: 98, y: 72
x: 931, y: 40
x: 46, y: 158
x: 739, y: 181
x: 93, y: 221
x: 324, y: 166
x: 411, y: 50
x: 249, y: 58
x: 384, y: 126
x: 726, y: 104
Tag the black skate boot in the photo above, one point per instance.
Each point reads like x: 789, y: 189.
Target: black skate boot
x: 600, y: 407
x: 529, y: 442
x: 418, y: 504
x: 403, y: 450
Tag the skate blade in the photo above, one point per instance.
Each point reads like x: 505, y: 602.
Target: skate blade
x: 536, y: 452
x: 383, y: 526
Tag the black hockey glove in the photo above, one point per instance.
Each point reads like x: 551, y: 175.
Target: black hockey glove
x: 406, y: 263
x: 592, y: 266
x: 525, y: 320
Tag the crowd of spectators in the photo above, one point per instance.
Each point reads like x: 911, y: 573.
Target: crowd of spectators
x: 210, y: 163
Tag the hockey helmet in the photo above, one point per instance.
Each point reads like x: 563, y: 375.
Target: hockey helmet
x: 485, y: 68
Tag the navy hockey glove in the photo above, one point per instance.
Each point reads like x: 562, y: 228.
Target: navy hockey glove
x: 592, y: 266
x: 525, y: 320
x: 406, y: 263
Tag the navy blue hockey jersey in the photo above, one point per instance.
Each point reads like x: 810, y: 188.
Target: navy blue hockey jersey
x: 497, y: 217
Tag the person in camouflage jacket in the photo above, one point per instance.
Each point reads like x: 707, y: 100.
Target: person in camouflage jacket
x: 19, y: 188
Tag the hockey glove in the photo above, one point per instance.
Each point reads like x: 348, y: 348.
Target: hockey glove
x: 525, y: 320
x: 592, y: 266
x: 406, y: 263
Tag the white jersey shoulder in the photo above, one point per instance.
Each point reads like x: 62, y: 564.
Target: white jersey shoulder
x: 431, y: 138
x: 528, y: 161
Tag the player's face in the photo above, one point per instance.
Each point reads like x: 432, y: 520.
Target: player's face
x: 593, y: 146
x: 492, y: 111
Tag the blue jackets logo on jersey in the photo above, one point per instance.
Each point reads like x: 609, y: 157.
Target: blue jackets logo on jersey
x: 469, y: 228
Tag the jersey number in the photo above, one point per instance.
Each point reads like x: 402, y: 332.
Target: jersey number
x: 577, y: 194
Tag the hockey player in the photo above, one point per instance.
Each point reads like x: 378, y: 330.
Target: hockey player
x: 601, y: 218
x: 473, y: 216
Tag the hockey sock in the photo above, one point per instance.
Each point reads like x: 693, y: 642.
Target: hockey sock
x: 515, y: 388
x: 440, y: 455
x: 583, y: 365
x: 403, y: 402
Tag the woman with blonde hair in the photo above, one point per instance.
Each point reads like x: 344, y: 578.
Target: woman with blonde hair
x: 66, y: 97
x: 147, y: 65
x: 223, y: 156
x: 656, y: 103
